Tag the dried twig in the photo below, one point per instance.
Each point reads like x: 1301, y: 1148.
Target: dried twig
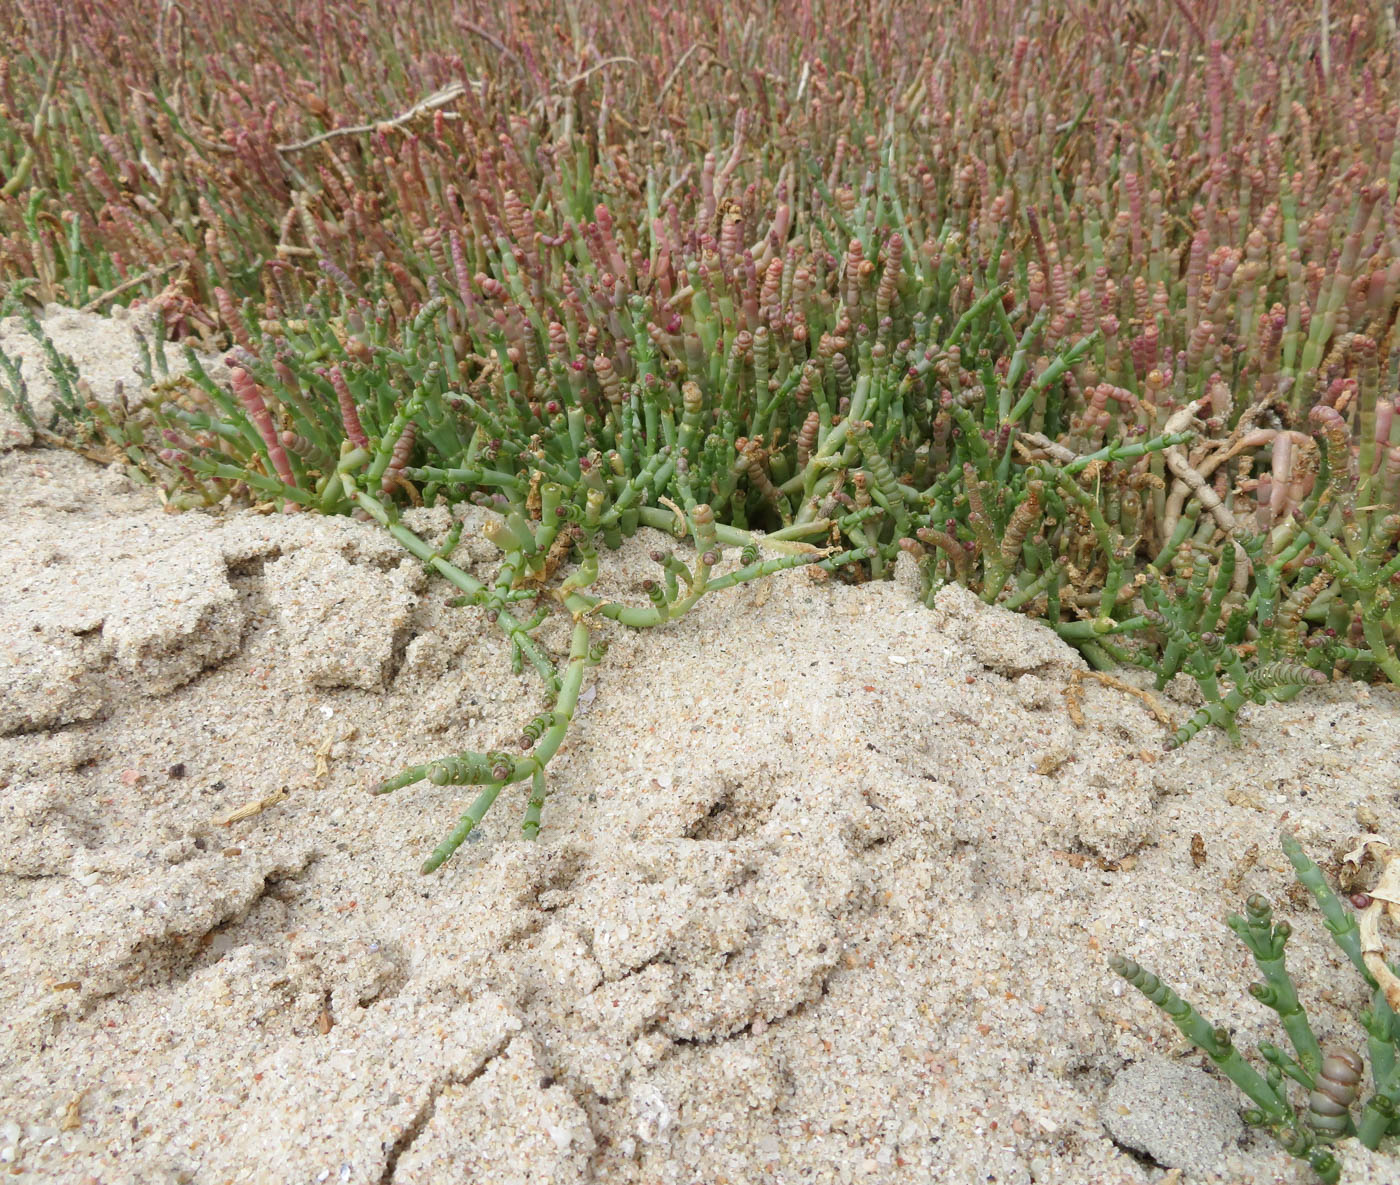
x: 594, y: 69
x: 492, y: 41
x: 675, y: 72
x: 439, y: 98
x: 256, y: 807
x: 565, y: 84
x: 135, y: 282
x: 1074, y: 695
x: 1175, y: 457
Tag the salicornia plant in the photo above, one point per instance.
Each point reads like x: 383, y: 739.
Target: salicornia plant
x: 1098, y: 323
x: 1333, y: 1077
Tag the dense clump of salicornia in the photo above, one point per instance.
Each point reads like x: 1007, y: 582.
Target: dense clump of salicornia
x: 1091, y: 313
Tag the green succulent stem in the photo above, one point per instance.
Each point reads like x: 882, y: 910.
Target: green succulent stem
x: 1213, y: 1041
x: 1266, y: 943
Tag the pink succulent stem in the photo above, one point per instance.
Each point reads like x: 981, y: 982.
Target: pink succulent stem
x: 251, y: 397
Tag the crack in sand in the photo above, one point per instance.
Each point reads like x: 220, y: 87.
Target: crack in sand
x: 424, y: 1115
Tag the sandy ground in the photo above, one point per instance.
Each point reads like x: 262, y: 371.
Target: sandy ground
x: 825, y: 891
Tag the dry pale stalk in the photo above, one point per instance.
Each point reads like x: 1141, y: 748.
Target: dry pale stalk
x: 1385, y: 899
